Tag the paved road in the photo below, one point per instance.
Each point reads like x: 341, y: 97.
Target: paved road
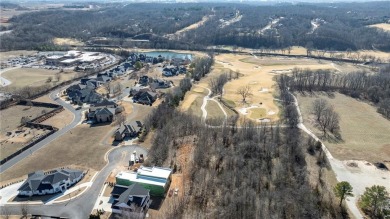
x: 81, y: 207
x: 44, y: 142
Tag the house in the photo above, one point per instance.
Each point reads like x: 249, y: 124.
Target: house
x: 160, y: 84
x: 145, y: 97
x: 75, y: 87
x: 155, y: 179
x: 129, y: 130
x: 133, y: 200
x: 39, y: 183
x: 170, y: 70
x: 143, y: 81
x: 136, y: 89
x: 104, y: 103
x: 101, y: 115
x: 86, y: 95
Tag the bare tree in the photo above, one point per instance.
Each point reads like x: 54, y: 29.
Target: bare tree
x: 319, y: 106
x: 245, y: 92
x: 29, y: 103
x: 5, y: 212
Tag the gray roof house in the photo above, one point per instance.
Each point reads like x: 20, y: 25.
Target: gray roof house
x: 129, y: 130
x: 134, y: 201
x: 103, y: 114
x: 40, y: 183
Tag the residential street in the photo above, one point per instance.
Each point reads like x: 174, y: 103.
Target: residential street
x: 44, y: 142
x: 82, y: 206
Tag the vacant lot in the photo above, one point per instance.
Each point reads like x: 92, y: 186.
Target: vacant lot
x: 81, y: 146
x: 18, y: 140
x: 60, y: 120
x: 365, y: 132
x: 10, y: 117
x: 23, y: 77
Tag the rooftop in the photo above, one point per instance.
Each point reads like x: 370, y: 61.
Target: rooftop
x: 148, y: 175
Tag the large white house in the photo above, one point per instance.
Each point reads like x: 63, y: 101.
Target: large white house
x: 40, y: 183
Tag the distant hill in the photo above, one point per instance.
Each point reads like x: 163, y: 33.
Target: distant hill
x: 9, y: 5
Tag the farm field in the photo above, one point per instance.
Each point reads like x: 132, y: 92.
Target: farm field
x: 81, y: 146
x: 22, y: 77
x: 365, y: 133
x: 10, y: 117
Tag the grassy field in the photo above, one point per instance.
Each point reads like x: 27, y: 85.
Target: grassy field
x: 16, y: 53
x: 22, y: 77
x: 382, y: 26
x: 81, y: 146
x: 365, y: 132
x: 257, y: 113
x: 10, y: 117
x: 213, y: 110
x: 67, y: 41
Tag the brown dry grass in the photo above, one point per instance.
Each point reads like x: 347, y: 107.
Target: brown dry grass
x: 15, y: 53
x: 82, y: 146
x: 10, y: 117
x: 23, y: 77
x: 67, y: 41
x: 60, y: 120
x: 365, y: 132
x: 258, y: 73
x: 13, y: 144
x: 213, y: 110
x: 45, y: 99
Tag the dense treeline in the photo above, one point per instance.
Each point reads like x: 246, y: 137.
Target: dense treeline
x: 342, y: 26
x: 372, y: 87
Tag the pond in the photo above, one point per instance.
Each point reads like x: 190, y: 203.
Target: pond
x: 169, y: 55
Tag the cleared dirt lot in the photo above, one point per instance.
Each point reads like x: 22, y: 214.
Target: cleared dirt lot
x: 67, y: 41
x: 365, y: 132
x: 10, y: 117
x: 382, y: 26
x: 81, y: 146
x: 22, y: 77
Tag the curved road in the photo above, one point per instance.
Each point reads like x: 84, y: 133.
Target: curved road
x: 44, y: 142
x: 82, y: 206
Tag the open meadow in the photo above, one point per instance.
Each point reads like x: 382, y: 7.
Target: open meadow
x: 67, y: 41
x: 11, y: 117
x: 22, y: 77
x: 81, y: 146
x: 364, y: 132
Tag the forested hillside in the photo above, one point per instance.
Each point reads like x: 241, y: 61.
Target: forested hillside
x: 338, y: 26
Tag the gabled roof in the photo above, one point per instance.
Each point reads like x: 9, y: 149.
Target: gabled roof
x: 38, y: 181
x: 137, y: 192
x: 105, y: 102
x: 105, y: 111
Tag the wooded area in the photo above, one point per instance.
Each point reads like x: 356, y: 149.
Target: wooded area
x: 333, y: 26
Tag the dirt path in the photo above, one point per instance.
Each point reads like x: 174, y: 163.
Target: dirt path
x: 204, y: 104
x: 362, y: 176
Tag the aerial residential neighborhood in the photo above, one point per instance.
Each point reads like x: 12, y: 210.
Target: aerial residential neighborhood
x: 194, y: 109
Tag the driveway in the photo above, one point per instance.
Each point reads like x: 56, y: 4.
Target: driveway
x: 81, y: 206
x: 50, y: 138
